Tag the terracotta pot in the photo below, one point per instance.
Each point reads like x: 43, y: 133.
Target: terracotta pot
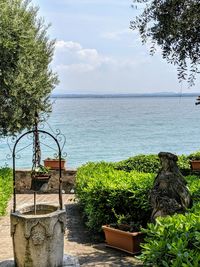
x: 195, y: 165
x: 53, y: 164
x: 41, y: 176
x: 38, y: 180
x: 125, y: 241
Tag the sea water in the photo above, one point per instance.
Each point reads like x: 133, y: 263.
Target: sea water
x: 115, y: 128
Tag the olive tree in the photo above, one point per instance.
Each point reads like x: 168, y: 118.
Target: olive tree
x: 26, y: 79
x: 174, y: 26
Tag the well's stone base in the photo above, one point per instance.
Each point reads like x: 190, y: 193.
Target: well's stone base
x: 38, y: 240
x: 68, y: 261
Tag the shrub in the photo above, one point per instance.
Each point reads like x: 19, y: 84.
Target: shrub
x: 184, y: 164
x: 104, y: 191
x: 5, y: 188
x: 194, y: 156
x: 150, y: 164
x: 194, y: 187
x: 173, y: 241
x: 140, y: 163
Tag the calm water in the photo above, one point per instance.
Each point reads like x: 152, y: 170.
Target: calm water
x: 112, y: 129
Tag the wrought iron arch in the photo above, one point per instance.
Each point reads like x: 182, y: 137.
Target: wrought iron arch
x: 14, y: 165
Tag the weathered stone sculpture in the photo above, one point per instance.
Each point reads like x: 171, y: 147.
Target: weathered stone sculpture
x: 169, y: 194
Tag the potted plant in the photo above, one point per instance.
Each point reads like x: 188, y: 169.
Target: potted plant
x: 40, y: 177
x: 195, y: 161
x: 124, y: 236
x: 40, y: 173
x: 53, y: 163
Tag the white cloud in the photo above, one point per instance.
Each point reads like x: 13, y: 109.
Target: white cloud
x: 88, y: 54
x: 71, y: 56
x: 79, y: 67
x: 87, y: 70
x: 116, y: 35
x: 67, y: 45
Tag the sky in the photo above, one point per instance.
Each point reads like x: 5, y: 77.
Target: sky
x: 97, y: 53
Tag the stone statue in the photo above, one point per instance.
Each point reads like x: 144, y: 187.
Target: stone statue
x: 169, y: 194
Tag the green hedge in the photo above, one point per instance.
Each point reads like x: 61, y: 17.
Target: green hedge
x: 104, y: 192
x: 110, y: 191
x: 194, y: 187
x: 150, y: 164
x: 140, y: 163
x: 6, y: 186
x: 173, y: 241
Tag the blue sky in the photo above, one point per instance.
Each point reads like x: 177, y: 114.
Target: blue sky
x: 97, y: 53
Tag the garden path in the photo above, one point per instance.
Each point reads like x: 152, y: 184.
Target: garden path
x: 78, y: 242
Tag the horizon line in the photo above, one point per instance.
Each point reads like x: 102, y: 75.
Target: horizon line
x: 97, y: 95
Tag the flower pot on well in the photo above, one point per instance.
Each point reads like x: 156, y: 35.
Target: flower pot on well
x: 42, y: 176
x: 122, y: 240
x: 53, y: 164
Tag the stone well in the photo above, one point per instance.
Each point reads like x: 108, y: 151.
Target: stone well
x: 38, y: 240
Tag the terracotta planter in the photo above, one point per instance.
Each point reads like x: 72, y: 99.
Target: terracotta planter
x: 38, y: 180
x: 53, y: 164
x: 125, y: 241
x: 195, y: 165
x: 41, y: 177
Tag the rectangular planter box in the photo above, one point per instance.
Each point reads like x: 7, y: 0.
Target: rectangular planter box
x: 53, y: 164
x: 42, y: 177
x: 125, y: 241
x: 195, y: 165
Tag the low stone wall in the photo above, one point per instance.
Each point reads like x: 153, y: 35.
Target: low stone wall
x: 23, y: 181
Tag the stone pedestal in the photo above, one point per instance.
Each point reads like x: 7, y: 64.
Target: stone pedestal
x: 38, y: 240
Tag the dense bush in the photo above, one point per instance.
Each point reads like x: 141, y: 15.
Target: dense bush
x: 194, y: 156
x: 194, y: 187
x: 5, y: 188
x: 104, y: 192
x: 106, y: 189
x: 109, y: 191
x: 150, y: 164
x: 140, y: 163
x: 184, y: 164
x: 173, y: 241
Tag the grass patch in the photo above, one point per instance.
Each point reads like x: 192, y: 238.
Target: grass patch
x: 6, y: 188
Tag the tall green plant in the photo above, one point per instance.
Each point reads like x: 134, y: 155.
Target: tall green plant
x: 26, y: 79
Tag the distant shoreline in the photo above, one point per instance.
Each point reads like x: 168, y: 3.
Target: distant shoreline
x: 124, y: 95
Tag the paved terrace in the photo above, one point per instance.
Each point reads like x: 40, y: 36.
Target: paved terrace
x: 78, y: 242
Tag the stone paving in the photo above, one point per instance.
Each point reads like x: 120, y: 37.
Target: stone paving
x: 78, y: 241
